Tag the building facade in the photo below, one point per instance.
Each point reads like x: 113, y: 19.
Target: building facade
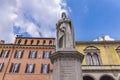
x: 28, y: 59
x: 101, y: 59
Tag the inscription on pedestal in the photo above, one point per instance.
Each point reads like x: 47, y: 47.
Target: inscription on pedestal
x: 67, y: 69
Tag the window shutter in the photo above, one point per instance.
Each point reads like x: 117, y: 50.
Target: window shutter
x: 41, y: 68
x: 7, y: 53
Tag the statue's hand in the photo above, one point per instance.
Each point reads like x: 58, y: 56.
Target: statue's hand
x: 62, y: 29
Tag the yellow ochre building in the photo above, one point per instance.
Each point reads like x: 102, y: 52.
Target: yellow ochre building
x: 101, y: 60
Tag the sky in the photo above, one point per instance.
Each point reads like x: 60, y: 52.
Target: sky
x: 37, y: 18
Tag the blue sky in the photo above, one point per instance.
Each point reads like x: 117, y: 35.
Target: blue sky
x: 91, y: 18
x: 94, y: 18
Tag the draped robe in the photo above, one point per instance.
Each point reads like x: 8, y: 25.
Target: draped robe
x: 65, y: 34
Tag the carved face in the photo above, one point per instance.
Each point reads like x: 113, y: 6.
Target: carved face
x: 63, y: 15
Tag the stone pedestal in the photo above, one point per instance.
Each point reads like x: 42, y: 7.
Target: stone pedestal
x: 67, y: 65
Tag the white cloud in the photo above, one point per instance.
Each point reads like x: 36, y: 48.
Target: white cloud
x: 108, y: 38
x: 104, y: 37
x: 36, y: 17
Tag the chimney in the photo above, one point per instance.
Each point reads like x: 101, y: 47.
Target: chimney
x: 2, y: 41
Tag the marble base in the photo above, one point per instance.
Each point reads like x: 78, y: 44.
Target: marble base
x: 67, y: 65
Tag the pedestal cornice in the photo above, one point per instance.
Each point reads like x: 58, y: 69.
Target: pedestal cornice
x: 66, y: 54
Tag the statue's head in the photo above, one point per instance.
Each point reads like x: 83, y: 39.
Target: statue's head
x: 63, y: 15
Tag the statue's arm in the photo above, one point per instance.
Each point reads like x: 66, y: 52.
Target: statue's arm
x: 62, y: 29
x: 58, y: 24
x: 59, y: 27
x: 67, y: 20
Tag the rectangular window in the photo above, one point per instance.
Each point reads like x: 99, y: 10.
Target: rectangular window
x: 15, y: 67
x: 19, y: 54
x: 5, y: 53
x: 45, y: 68
x: 30, y: 68
x: 1, y: 66
x: 46, y: 54
x: 33, y: 54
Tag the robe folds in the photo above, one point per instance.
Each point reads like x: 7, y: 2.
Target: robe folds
x: 65, y: 34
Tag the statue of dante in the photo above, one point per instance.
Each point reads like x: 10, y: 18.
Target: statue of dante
x: 65, y: 33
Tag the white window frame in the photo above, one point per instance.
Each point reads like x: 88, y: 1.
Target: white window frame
x: 19, y: 54
x: 33, y: 54
x: 46, y: 54
x: 30, y: 68
x: 15, y: 68
x: 45, y: 68
x: 5, y: 53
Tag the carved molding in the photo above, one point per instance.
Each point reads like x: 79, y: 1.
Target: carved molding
x: 66, y: 54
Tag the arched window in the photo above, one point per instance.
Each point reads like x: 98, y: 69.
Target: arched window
x: 50, y: 42
x: 106, y: 77
x: 31, y: 42
x: 118, y: 51
x: 25, y: 42
x: 87, y: 78
x: 38, y: 42
x: 92, y: 57
x: 19, y: 41
x: 96, y: 59
x: 89, y: 59
x: 44, y: 42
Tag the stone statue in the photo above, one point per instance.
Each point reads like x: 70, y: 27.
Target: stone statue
x: 65, y: 33
x: 66, y: 53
